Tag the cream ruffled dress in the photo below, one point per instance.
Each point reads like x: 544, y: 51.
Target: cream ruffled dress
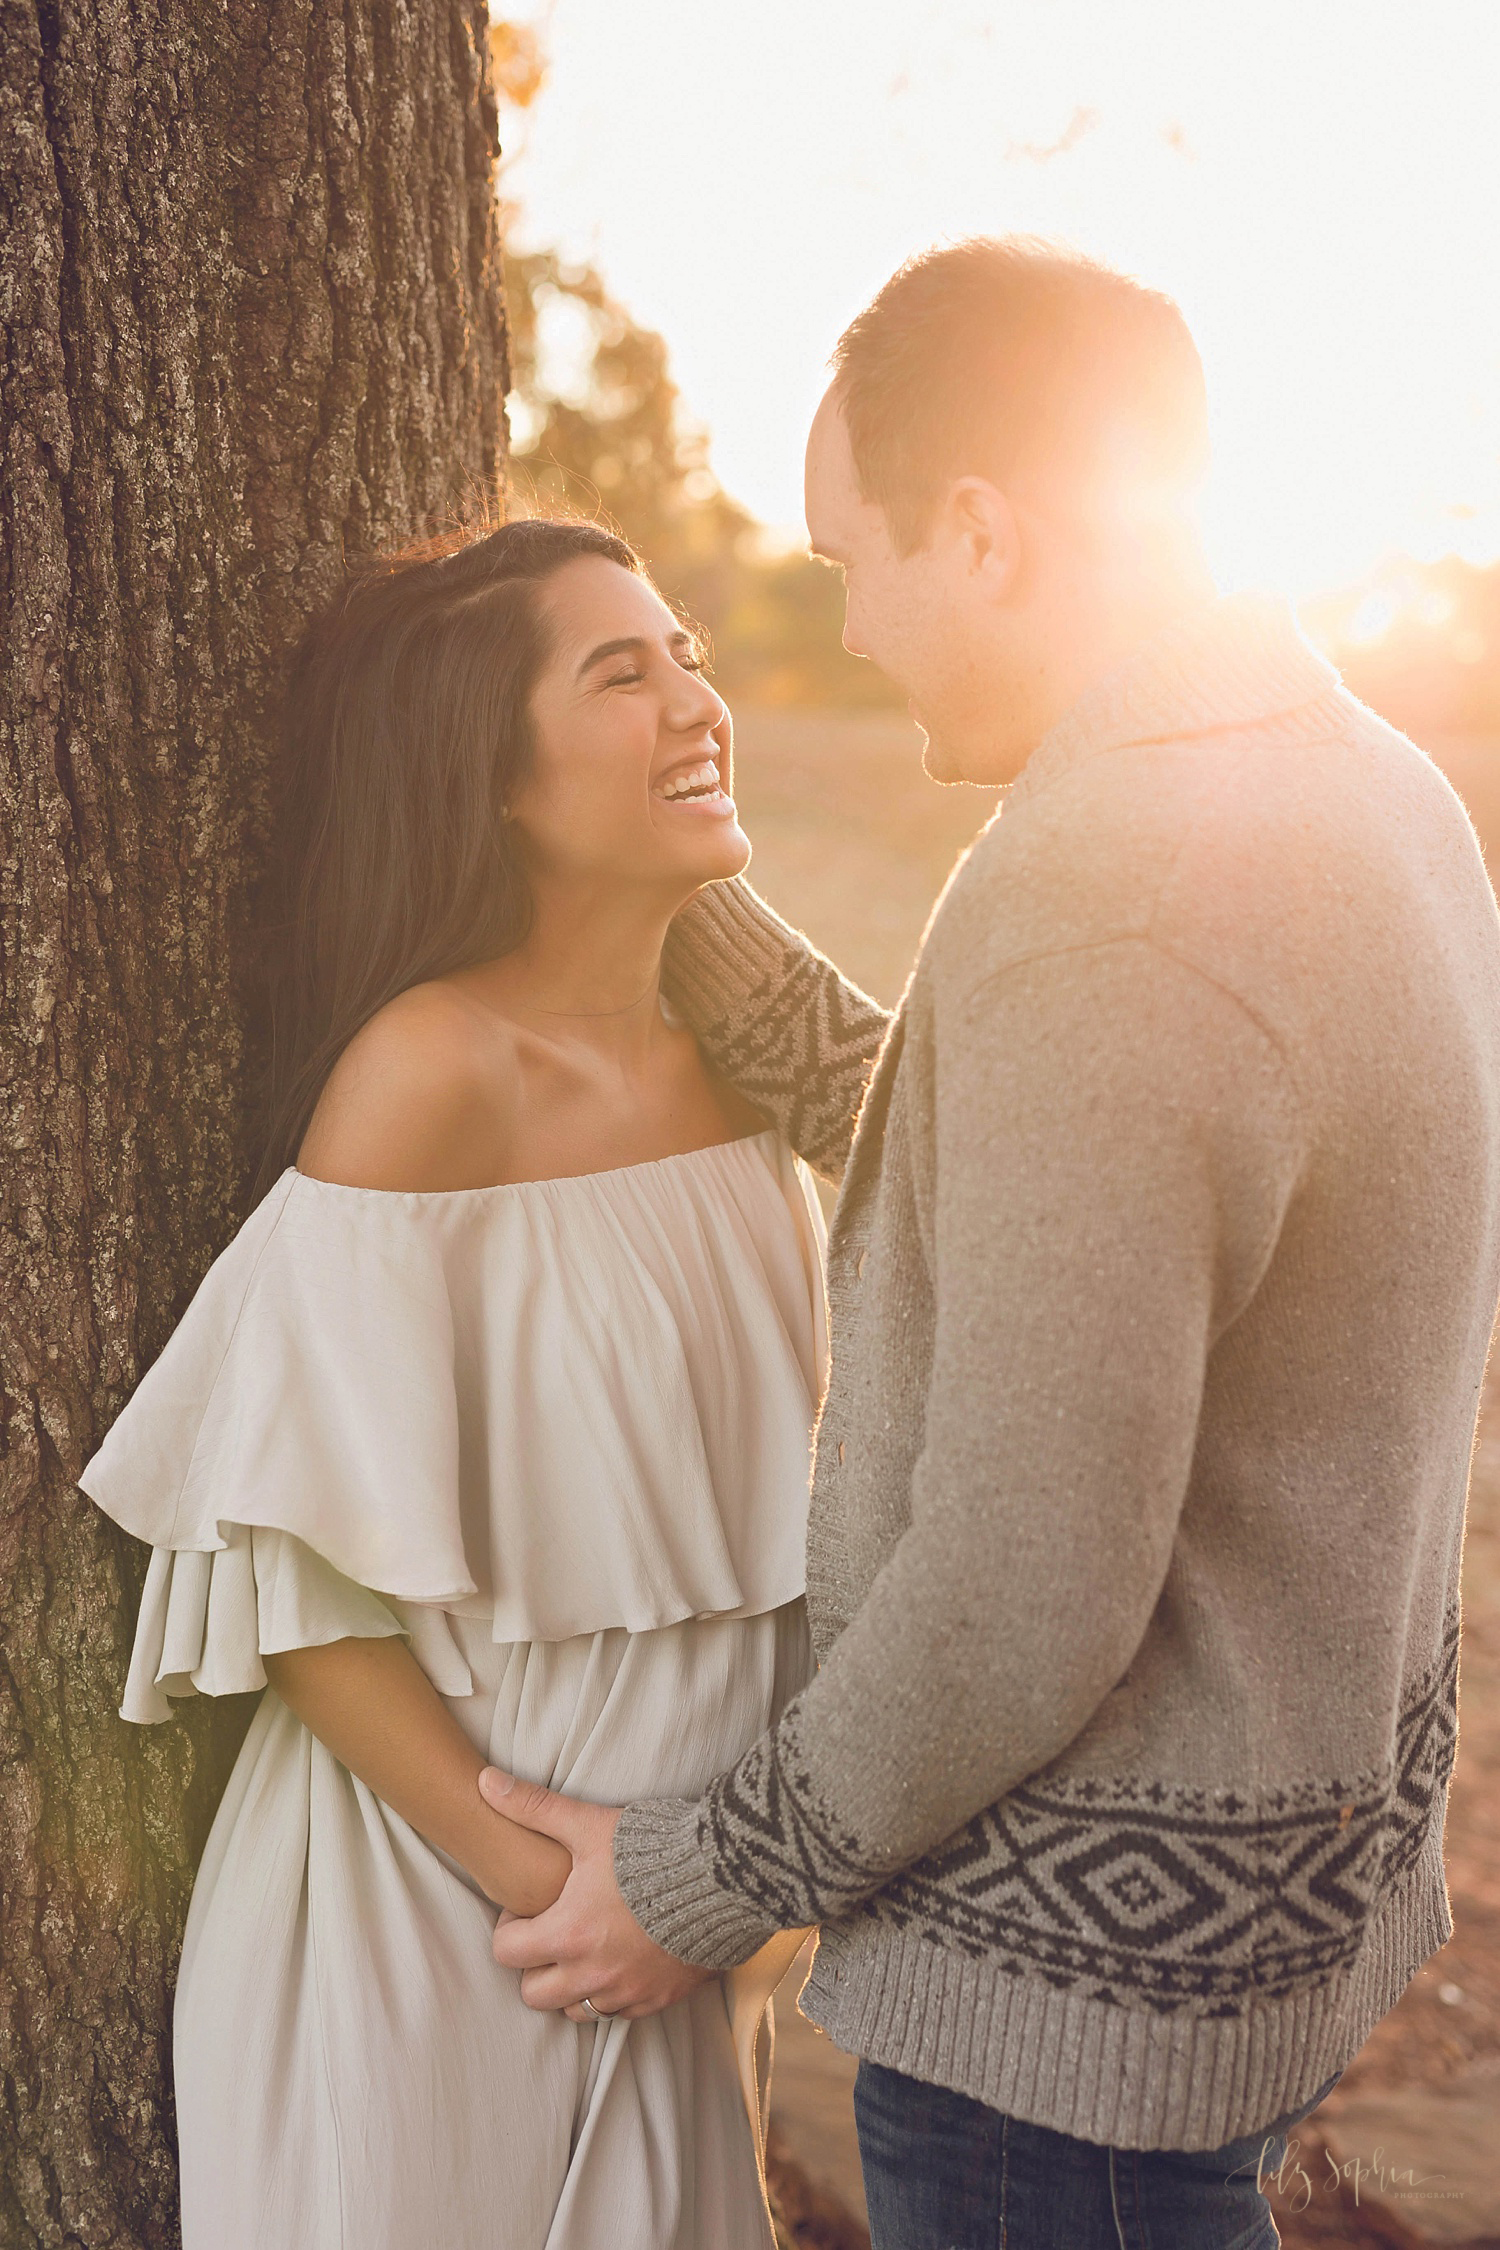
x: 557, y: 1434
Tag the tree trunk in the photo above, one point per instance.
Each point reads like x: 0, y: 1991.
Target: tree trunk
x: 249, y: 273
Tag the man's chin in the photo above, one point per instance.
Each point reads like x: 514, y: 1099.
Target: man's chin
x: 941, y: 760
x: 949, y: 759
x: 940, y: 757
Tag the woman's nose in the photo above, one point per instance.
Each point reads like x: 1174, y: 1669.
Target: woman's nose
x: 696, y: 703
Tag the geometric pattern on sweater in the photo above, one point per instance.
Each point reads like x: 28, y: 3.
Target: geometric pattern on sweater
x: 802, y: 1053
x: 1147, y: 1895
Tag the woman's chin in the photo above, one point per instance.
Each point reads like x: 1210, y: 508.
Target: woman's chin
x: 718, y: 857
x: 736, y: 854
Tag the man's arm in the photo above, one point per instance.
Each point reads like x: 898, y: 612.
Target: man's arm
x: 1117, y: 1140
x: 777, y: 1019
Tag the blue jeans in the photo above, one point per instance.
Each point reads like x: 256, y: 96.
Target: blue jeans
x: 943, y: 2172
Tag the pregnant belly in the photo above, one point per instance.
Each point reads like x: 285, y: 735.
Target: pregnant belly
x: 352, y: 2066
x: 614, y: 1715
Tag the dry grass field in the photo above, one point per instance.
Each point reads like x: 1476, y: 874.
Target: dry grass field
x: 852, y: 843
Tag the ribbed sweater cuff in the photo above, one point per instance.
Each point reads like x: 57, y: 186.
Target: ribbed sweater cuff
x: 668, y: 1883
x: 723, y: 948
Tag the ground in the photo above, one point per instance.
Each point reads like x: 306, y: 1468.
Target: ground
x: 852, y: 843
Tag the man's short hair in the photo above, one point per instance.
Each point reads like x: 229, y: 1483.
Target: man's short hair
x: 992, y: 356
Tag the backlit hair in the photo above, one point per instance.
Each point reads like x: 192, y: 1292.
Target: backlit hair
x: 990, y: 357
x: 408, y: 727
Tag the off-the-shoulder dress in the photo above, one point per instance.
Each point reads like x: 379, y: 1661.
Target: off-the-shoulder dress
x: 557, y: 1434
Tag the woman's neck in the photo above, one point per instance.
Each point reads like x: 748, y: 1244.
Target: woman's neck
x: 587, y: 971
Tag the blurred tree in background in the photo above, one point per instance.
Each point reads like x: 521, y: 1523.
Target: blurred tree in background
x: 598, y: 429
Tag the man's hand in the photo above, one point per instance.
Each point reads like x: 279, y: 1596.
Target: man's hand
x: 588, y: 1945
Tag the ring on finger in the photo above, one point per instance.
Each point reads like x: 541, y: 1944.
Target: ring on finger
x: 600, y: 2015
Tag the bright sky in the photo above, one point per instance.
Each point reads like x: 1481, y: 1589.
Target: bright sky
x: 1316, y: 181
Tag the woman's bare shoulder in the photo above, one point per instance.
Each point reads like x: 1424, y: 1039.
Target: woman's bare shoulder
x: 423, y: 1098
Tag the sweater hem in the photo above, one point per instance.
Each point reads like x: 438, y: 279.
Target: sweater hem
x: 1116, y: 2076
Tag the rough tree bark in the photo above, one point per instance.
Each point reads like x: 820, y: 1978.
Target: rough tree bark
x: 249, y: 275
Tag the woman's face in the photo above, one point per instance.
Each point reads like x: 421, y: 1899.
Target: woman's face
x: 631, y: 776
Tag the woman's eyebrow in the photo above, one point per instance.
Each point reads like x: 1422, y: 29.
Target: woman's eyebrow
x: 633, y: 645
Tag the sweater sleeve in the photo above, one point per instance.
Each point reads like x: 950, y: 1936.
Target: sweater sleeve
x: 795, y: 1037
x: 1117, y: 1141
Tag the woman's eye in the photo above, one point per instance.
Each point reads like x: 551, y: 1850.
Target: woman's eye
x: 626, y: 679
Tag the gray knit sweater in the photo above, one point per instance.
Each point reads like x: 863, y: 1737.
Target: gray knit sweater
x: 1161, y: 1282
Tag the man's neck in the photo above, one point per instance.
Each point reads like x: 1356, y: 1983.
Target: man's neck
x: 1096, y: 637
x: 1105, y: 640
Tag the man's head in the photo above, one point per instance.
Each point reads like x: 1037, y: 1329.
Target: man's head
x: 1005, y: 467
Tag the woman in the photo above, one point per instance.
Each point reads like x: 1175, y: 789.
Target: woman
x: 485, y: 1440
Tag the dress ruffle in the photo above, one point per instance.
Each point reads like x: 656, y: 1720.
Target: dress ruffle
x: 206, y: 1620
x: 562, y: 1406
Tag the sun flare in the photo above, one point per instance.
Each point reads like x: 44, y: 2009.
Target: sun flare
x: 1319, y: 188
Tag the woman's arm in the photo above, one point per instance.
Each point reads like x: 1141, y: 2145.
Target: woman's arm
x: 372, y: 1705
x: 404, y: 1109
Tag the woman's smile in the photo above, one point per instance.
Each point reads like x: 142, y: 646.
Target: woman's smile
x: 693, y: 785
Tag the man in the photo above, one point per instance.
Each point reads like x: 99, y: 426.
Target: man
x: 1161, y: 1282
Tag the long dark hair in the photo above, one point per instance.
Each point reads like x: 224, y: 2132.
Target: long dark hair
x: 408, y: 726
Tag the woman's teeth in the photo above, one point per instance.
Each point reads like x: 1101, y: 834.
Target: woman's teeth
x: 698, y: 781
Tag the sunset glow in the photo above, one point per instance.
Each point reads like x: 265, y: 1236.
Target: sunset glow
x: 1318, y: 184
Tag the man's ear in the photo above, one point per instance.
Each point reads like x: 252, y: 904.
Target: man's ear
x: 982, y: 524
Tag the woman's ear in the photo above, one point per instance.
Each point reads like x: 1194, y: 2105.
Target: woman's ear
x: 982, y: 524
